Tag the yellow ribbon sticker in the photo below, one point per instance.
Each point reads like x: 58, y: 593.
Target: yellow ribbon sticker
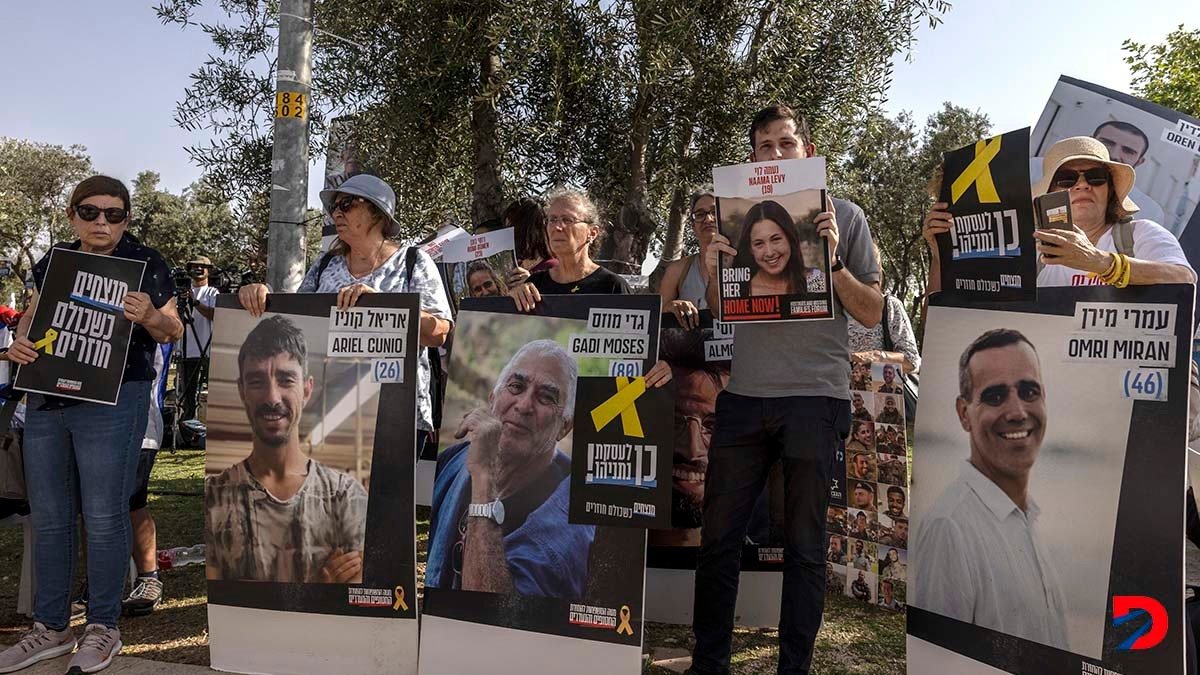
x: 622, y: 404
x: 47, y: 342
x: 978, y: 173
x: 400, y: 604
x: 624, y: 627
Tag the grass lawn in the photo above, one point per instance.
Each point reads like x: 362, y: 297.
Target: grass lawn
x: 854, y: 640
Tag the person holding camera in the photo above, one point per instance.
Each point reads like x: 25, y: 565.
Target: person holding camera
x: 193, y: 367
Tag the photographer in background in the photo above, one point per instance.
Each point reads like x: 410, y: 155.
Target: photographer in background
x: 197, y: 332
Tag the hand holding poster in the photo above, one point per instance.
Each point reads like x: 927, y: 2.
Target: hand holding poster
x: 1051, y: 454
x: 781, y: 271
x: 309, y: 485
x: 989, y: 252
x: 79, y: 327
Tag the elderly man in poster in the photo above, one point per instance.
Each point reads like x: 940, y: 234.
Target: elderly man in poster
x: 280, y: 515
x: 500, y: 501
x: 978, y: 556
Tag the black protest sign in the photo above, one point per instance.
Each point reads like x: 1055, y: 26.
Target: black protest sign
x: 1047, y: 533
x: 989, y: 253
x: 79, y: 327
x: 620, y: 474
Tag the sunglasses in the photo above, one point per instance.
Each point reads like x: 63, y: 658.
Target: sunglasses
x: 90, y: 213
x: 1095, y: 176
x: 345, y: 203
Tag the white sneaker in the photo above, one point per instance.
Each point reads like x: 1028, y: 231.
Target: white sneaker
x: 37, y: 644
x: 97, y: 648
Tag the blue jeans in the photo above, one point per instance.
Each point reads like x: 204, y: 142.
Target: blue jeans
x: 85, y: 455
x: 751, y: 435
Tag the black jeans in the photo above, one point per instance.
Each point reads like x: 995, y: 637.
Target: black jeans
x: 190, y: 379
x: 750, y: 436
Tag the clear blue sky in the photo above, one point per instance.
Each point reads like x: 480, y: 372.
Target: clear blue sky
x: 1003, y: 57
x: 999, y: 57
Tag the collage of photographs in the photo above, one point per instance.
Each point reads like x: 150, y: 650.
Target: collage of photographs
x: 867, y: 521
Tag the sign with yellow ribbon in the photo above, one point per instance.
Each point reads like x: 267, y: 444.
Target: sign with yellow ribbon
x: 988, y: 252
x: 979, y: 174
x: 622, y: 404
x: 79, y: 329
x: 400, y: 604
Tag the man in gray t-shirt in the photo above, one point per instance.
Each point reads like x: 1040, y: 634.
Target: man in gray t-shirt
x: 788, y: 398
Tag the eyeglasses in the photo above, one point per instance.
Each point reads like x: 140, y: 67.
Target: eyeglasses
x: 90, y: 213
x: 707, y: 423
x: 704, y: 214
x: 554, y: 221
x: 1067, y: 178
x: 345, y: 204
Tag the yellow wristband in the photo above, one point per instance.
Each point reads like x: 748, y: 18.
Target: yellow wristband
x: 1125, y: 273
x: 1113, y: 275
x: 1112, y: 268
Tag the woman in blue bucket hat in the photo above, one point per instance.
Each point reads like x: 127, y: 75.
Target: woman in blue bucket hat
x: 365, y: 259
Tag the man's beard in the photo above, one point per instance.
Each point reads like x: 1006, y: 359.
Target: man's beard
x: 686, y: 512
x: 273, y: 440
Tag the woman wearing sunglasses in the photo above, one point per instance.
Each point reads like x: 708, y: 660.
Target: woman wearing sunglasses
x: 83, y: 456
x: 1087, y: 253
x: 364, y: 259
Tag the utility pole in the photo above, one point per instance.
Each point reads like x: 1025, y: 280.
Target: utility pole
x: 289, y: 155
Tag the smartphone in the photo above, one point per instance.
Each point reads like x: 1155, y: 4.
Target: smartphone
x: 1052, y: 211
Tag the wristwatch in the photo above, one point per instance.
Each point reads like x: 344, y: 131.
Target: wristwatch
x: 493, y: 511
x: 838, y: 265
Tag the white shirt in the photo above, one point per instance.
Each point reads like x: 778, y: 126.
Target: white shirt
x: 198, y: 334
x: 1151, y: 241
x: 977, y: 557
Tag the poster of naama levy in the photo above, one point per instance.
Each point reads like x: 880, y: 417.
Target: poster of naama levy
x: 782, y: 269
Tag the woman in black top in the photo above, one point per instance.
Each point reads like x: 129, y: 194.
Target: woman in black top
x: 572, y: 227
x: 82, y: 456
x: 573, y: 231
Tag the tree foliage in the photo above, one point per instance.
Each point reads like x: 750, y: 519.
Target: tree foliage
x: 462, y: 106
x: 35, y: 184
x: 889, y: 171
x: 193, y: 223
x: 1169, y: 73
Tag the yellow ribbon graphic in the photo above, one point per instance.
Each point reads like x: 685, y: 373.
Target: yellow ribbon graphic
x: 400, y: 604
x: 977, y: 172
x: 624, y: 627
x: 47, y: 342
x: 622, y: 404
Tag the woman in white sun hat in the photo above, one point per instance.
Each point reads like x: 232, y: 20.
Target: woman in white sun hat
x: 1104, y: 246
